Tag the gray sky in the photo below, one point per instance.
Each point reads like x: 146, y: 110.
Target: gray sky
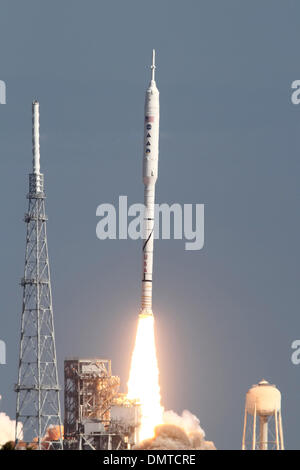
x: 226, y: 315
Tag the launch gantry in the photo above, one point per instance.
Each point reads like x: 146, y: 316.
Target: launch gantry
x: 96, y: 415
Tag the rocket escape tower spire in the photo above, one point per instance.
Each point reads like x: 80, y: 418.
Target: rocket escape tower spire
x: 153, y: 67
x: 38, y: 406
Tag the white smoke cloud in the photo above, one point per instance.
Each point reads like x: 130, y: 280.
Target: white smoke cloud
x: 187, y: 421
x: 7, y: 429
x: 178, y: 432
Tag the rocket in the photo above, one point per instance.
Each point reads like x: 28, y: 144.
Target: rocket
x: 150, y: 169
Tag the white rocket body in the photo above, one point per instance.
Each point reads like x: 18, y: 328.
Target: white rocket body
x: 150, y: 169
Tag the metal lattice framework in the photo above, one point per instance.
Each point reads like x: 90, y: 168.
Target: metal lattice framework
x: 97, y: 417
x: 89, y: 391
x: 38, y: 405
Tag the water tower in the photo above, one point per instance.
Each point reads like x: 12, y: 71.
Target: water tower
x: 262, y: 422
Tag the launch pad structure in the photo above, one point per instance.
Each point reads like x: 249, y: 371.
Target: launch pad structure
x: 97, y: 416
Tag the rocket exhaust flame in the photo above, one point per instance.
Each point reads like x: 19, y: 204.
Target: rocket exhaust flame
x: 143, y: 380
x: 144, y: 377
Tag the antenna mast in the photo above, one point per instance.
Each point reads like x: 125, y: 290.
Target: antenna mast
x: 38, y: 406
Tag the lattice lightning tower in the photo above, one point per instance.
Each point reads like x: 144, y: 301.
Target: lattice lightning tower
x: 38, y: 405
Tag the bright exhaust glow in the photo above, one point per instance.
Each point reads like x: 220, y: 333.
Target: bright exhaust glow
x: 143, y: 381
